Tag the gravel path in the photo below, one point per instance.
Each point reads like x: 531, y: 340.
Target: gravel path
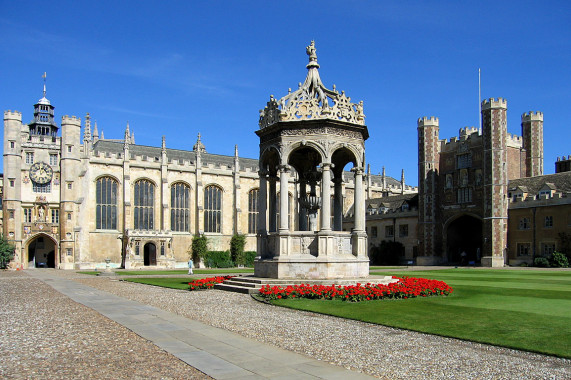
x: 45, y: 335
x: 50, y: 334
x: 376, y: 350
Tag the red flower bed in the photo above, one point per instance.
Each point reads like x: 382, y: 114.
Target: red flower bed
x: 207, y: 283
x: 404, y: 288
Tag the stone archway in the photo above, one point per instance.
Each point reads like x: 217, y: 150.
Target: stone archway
x: 464, y: 234
x: 150, y: 254
x: 41, y: 252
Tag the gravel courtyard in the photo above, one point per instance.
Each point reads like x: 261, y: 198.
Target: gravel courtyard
x: 50, y: 334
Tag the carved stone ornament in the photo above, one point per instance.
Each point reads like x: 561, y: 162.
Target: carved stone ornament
x: 312, y: 100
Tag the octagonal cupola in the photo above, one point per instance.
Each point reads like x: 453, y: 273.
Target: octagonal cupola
x: 312, y: 100
x: 43, y: 123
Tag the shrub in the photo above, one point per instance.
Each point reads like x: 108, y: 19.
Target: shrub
x: 541, y: 262
x: 199, y: 248
x: 249, y: 257
x: 218, y: 259
x: 6, y: 252
x: 559, y: 260
x: 237, y: 244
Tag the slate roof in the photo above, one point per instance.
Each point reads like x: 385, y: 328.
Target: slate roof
x: 561, y: 182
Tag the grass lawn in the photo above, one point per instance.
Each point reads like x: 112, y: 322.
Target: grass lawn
x: 165, y: 282
x: 523, y: 309
x: 216, y: 271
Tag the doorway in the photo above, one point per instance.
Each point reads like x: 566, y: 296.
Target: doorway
x: 464, y: 240
x: 150, y: 252
x: 41, y: 253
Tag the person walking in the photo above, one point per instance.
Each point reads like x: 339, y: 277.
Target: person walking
x: 190, y: 266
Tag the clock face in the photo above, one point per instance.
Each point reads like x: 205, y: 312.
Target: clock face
x: 41, y: 173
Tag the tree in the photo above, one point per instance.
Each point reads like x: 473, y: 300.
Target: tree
x: 237, y: 244
x: 199, y: 248
x: 6, y: 252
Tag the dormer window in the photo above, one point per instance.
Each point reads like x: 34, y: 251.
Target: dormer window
x: 405, y: 207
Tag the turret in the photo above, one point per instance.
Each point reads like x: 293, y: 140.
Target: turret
x: 69, y: 186
x: 428, y: 166
x: 494, y: 133
x: 532, y: 133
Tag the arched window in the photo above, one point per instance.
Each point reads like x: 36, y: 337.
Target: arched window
x: 106, y: 204
x: 180, y: 207
x: 212, y: 209
x: 144, y: 204
x: 253, y: 210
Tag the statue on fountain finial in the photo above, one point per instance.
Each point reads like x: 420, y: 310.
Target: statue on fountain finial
x: 310, y: 50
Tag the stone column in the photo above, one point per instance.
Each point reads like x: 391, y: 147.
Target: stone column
x: 284, y: 195
x: 302, y: 210
x: 272, y: 206
x: 262, y: 203
x: 326, y: 197
x: 359, y: 202
x: 338, y: 205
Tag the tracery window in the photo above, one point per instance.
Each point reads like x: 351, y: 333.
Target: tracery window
x: 212, y: 209
x: 253, y: 210
x: 144, y: 204
x: 180, y: 207
x: 106, y: 204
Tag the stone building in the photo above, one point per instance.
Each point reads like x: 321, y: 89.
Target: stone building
x: 464, y: 182
x: 73, y: 198
x: 539, y: 212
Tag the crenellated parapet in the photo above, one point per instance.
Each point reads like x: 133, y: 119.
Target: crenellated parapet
x: 532, y: 116
x: 427, y: 121
x: 73, y: 120
x: 494, y: 103
x: 13, y: 115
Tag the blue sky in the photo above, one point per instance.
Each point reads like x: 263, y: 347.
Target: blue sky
x: 177, y: 68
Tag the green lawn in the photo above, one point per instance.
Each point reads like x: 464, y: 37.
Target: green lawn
x: 522, y: 309
x: 216, y: 271
x: 165, y: 282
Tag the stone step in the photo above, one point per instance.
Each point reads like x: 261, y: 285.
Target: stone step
x: 236, y: 288
x: 250, y: 284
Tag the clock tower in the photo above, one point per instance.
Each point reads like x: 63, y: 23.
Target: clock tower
x: 32, y: 190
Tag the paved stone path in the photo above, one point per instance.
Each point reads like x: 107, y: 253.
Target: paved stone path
x: 214, y: 351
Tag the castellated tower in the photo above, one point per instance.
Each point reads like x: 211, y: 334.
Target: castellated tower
x: 494, y: 132
x: 532, y: 133
x: 428, y: 165
x: 13, y: 180
x: 70, y: 169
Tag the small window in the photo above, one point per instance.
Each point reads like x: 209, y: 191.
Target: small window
x: 11, y: 214
x: 69, y: 251
x: 29, y: 158
x: 389, y: 231
x: 27, y: 215
x: 162, y: 248
x: 374, y: 232
x: 11, y: 183
x: 524, y: 224
x: 403, y: 230
x: 547, y: 249
x: 137, y: 248
x: 69, y: 185
x: 12, y: 144
x: 548, y: 222
x: 69, y: 216
x: 55, y: 216
x: 523, y: 249
x: 53, y: 159
x: 69, y: 148
x: 44, y: 188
